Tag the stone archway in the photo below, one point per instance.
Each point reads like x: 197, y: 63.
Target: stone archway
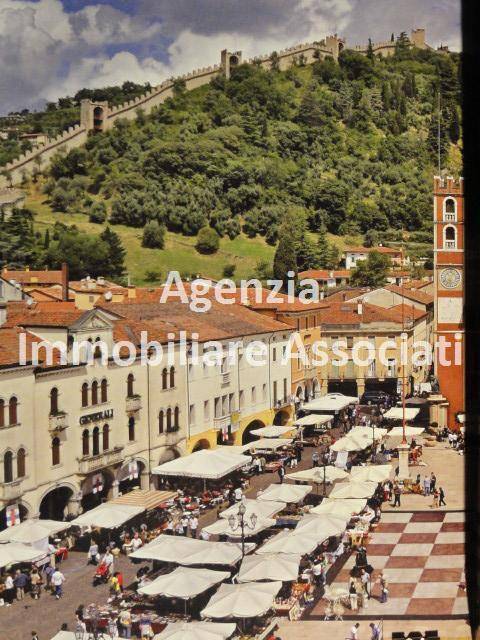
x: 201, y: 444
x: 247, y: 436
x: 281, y: 418
x: 128, y: 477
x: 98, y: 118
x: 96, y: 488
x: 24, y: 514
x: 54, y: 504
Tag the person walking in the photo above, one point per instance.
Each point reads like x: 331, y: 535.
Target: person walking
x: 353, y: 635
x: 441, y: 497
x: 193, y: 526
x: 435, y: 499
x: 9, y: 590
x: 184, y: 523
x: 107, y: 560
x: 365, y: 578
x: 35, y: 581
x: 433, y: 482
x: 57, y: 582
x: 315, y: 459
x: 112, y: 627
x: 426, y: 486
x: 125, y: 621
x: 383, y: 588
x: 281, y: 473
x: 375, y: 633
x: 397, y: 492
x: 352, y: 595
x: 93, y: 555
x: 20, y: 581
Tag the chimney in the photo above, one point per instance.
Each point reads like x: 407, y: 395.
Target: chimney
x: 359, y: 308
x: 64, y: 281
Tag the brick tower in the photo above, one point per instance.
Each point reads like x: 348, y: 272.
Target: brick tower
x: 449, y: 286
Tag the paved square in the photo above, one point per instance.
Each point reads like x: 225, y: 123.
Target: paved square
x: 422, y: 556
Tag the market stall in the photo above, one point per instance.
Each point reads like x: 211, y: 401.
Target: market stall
x: 371, y: 473
x: 322, y: 526
x: 271, y: 431
x: 344, y: 507
x: 269, y: 566
x: 318, y: 475
x: 222, y: 527
x: 397, y: 413
x: 262, y: 509
x: 244, y: 600
x: 353, y: 490
x: 197, y: 631
x: 184, y: 583
x: 291, y: 542
x: 207, y: 464
x: 312, y: 425
x: 289, y: 493
x: 107, y: 516
x: 15, y: 553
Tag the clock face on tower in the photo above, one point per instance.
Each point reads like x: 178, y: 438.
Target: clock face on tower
x: 450, y: 278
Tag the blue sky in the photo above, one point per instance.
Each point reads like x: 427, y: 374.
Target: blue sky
x: 52, y: 48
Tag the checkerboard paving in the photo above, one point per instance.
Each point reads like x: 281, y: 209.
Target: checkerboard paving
x: 422, y: 556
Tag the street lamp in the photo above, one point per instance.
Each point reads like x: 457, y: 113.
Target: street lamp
x: 240, y: 521
x: 324, y: 465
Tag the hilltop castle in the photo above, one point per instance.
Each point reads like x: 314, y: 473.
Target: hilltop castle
x: 100, y: 116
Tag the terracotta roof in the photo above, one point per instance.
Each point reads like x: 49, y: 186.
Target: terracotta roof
x: 417, y: 284
x: 344, y: 295
x: 341, y: 313
x: 93, y: 286
x: 46, y: 293
x: 33, y: 277
x: 325, y: 274
x: 10, y: 346
x: 416, y: 296
x: 409, y: 312
x: 42, y: 314
x: 390, y: 250
x: 280, y: 301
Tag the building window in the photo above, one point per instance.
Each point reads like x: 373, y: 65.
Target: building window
x: 241, y: 399
x: 131, y: 429
x: 285, y: 389
x: 275, y: 392
x: 206, y: 410
x: 450, y: 237
x: 104, y: 390
x: 172, y: 377
x: 85, y: 443
x: 8, y: 467
x: 106, y: 437
x: 94, y: 392
x: 55, y: 451
x: 254, y: 395
x: 96, y: 441
x: 169, y: 419
x: 21, y: 463
x: 372, y: 369
x: 391, y: 368
x: 264, y: 391
x: 130, y: 381
x: 164, y: 379
x: 2, y: 413
x: 84, y: 394
x: 191, y: 414
x: 54, y: 401
x: 176, y: 418
x: 13, y: 411
x: 274, y: 354
x: 450, y: 210
x: 161, y: 422
x: 217, y: 407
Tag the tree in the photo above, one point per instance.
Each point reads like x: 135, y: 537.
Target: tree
x: 153, y: 235
x: 98, y: 212
x: 229, y: 270
x: 285, y: 258
x: 371, y: 272
x: 84, y: 255
x: 46, y: 240
x: 370, y: 53
x: 115, y: 253
x: 208, y: 241
x: 371, y: 238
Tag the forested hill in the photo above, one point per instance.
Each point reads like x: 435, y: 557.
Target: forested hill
x: 348, y: 146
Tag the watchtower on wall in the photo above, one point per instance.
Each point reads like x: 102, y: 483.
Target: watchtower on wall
x: 335, y: 45
x: 230, y: 59
x: 417, y: 38
x: 93, y: 115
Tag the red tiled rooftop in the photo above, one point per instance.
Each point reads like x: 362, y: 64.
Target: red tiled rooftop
x: 325, y: 274
x: 347, y: 313
x: 33, y: 277
x: 411, y: 294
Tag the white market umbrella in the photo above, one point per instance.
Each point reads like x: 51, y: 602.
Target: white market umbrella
x: 335, y: 593
x: 353, y: 490
x: 190, y: 551
x: 292, y: 542
x: 322, y: 526
x: 222, y: 527
x: 207, y: 464
x: 184, y: 583
x: 15, y: 552
x: 271, y: 443
x: 313, y: 419
x: 284, y: 493
x: 265, y: 509
x: 196, y: 631
x: 351, y: 443
x: 316, y: 475
x: 373, y: 473
x: 245, y: 600
x: 396, y: 413
x: 271, y: 431
x: 30, y: 531
x: 269, y: 566
x: 237, y: 449
x: 342, y: 507
x: 369, y: 432
x: 397, y: 432
x: 107, y: 515
x: 331, y: 402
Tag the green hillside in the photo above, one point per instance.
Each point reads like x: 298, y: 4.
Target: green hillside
x: 348, y: 148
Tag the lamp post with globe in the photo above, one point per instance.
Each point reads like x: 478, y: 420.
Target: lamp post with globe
x: 242, y: 522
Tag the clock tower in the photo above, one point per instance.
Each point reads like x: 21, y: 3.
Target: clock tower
x: 449, y: 285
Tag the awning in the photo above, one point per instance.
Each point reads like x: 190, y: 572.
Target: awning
x: 269, y: 566
x: 396, y: 413
x: 317, y: 475
x: 296, y: 542
x: 271, y: 443
x: 397, y: 432
x: 222, y: 527
x: 322, y: 527
x: 332, y: 402
x: 351, y: 443
x: 266, y: 509
x: 15, y: 552
x: 184, y: 583
x: 313, y: 419
x: 146, y: 498
x: 354, y: 490
x: 284, y: 493
x: 196, y: 631
x: 30, y: 531
x: 372, y: 473
x: 246, y: 600
x: 206, y: 464
x: 271, y: 431
x: 342, y: 507
x: 238, y: 449
x: 107, y: 515
x: 190, y: 551
x: 369, y: 432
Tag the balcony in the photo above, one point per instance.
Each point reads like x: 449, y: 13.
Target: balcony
x: 133, y: 404
x: 282, y: 402
x: 222, y: 422
x: 225, y: 378
x: 57, y: 422
x: 88, y: 464
x: 11, y: 490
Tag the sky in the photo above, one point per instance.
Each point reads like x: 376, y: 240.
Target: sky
x: 53, y: 48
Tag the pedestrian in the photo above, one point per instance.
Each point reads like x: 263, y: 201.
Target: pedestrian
x: 49, y: 571
x: 184, y: 523
x: 193, y: 526
x: 115, y: 587
x: 354, y: 632
x: 169, y: 529
x: 281, y: 473
x: 441, y: 498
x: 9, y: 590
x: 238, y: 494
x: 435, y: 499
x: 383, y: 588
x: 397, y: 492
x: 93, y: 556
x: 293, y: 461
x: 146, y: 631
x: 352, y: 595
x: 80, y: 627
x: 20, y: 581
x: 375, y: 634
x: 35, y: 581
x: 57, y: 581
x: 125, y: 621
x: 112, y: 627
x: 179, y: 529
x: 258, y: 466
x: 426, y: 486
x: 365, y: 578
x: 34, y: 635
x: 315, y: 459
x: 433, y: 482
x: 107, y: 560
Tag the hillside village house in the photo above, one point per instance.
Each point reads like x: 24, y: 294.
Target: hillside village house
x: 352, y: 255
